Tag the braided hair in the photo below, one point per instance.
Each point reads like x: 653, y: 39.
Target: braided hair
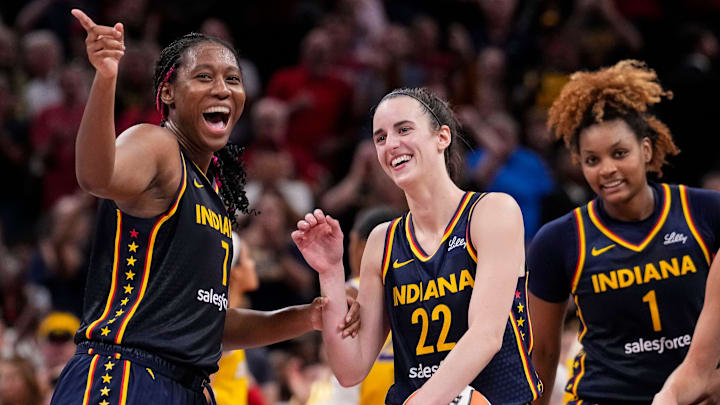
x: 624, y: 91
x: 439, y: 113
x: 226, y: 166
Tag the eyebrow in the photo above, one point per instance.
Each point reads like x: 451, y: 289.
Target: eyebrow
x: 212, y: 67
x: 614, y: 145
x: 395, y: 125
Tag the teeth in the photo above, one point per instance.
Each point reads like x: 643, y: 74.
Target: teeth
x: 400, y: 159
x: 613, y: 184
x: 217, y: 109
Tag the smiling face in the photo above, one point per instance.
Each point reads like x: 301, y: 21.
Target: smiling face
x: 614, y: 161
x: 207, y: 96
x: 407, y: 144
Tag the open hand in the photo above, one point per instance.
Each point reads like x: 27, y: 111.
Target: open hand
x: 351, y: 324
x: 320, y: 241
x: 105, y: 45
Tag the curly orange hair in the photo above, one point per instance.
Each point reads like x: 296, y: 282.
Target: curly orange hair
x: 623, y: 91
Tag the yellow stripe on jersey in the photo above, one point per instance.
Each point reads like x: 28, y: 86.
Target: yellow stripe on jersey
x: 113, y: 283
x: 91, y: 375
x: 617, y: 239
x: 581, y: 250
x: 388, y: 247
x: 470, y: 248
x: 579, y: 376
x: 523, y: 357
x: 414, y: 245
x: 584, y: 330
x: 691, y: 223
x: 125, y: 383
x: 148, y: 257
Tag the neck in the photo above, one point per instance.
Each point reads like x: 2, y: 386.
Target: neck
x: 199, y: 157
x: 639, y: 207
x: 432, y: 205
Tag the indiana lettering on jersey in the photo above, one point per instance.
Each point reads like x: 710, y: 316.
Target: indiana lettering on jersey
x: 661, y: 270
x: 206, y: 216
x: 439, y: 287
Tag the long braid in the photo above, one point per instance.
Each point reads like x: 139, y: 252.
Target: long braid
x: 226, y: 167
x: 229, y: 172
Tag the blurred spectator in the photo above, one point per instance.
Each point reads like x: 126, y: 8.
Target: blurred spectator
x: 18, y: 383
x: 9, y: 57
x: 55, y: 342
x: 502, y: 164
x: 42, y: 59
x: 320, y: 108
x: 711, y: 181
x: 365, y: 185
x: 268, y: 159
x: 284, y: 277
x: 53, y: 135
x: 60, y: 262
x: 134, y: 104
x: 16, y: 206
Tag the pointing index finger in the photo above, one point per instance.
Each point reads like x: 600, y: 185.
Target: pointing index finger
x: 85, y: 21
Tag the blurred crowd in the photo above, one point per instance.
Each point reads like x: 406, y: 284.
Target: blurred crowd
x: 312, y: 70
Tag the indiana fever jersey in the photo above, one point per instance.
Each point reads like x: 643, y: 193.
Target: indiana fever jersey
x: 637, y: 301
x: 160, y: 284
x: 427, y: 297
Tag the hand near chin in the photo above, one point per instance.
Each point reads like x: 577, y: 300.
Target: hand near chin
x: 105, y: 45
x: 320, y: 241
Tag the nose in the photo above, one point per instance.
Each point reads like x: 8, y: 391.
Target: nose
x: 220, y: 88
x: 607, y: 167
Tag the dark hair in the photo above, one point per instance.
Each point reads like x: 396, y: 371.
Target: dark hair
x: 439, y: 113
x: 226, y: 165
x: 32, y: 391
x: 624, y: 91
x: 367, y: 219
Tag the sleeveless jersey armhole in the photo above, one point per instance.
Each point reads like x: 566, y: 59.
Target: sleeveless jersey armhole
x: 387, y: 250
x: 470, y: 246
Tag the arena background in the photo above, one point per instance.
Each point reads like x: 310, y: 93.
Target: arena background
x: 312, y: 71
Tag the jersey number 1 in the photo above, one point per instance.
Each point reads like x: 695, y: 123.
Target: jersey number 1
x: 421, y: 315
x: 654, y: 312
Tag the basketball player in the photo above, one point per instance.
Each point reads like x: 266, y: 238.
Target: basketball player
x: 156, y: 302
x: 635, y: 259
x: 447, y: 278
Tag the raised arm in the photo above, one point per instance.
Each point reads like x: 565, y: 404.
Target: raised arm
x: 697, y: 376
x: 320, y: 239
x: 497, y: 232
x: 125, y: 171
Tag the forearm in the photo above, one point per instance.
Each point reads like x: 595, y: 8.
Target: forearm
x: 344, y: 355
x: 545, y: 359
x: 95, y: 144
x: 249, y: 328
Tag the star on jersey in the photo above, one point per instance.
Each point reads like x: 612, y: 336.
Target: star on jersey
x: 517, y: 294
x: 124, y: 301
x: 520, y: 307
x: 112, y: 320
x: 109, y: 365
x: 131, y: 261
x: 105, y: 331
x: 134, y: 233
x: 105, y: 391
x: 106, y: 378
x: 119, y: 312
x: 129, y: 274
x: 133, y: 247
x: 521, y: 322
x: 128, y: 289
x: 104, y: 402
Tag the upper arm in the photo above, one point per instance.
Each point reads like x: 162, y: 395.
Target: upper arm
x: 497, y: 232
x: 704, y: 348
x: 550, y: 253
x: 371, y: 295
x: 146, y: 156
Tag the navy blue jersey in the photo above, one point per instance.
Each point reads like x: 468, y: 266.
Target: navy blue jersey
x: 427, y: 297
x: 638, y: 296
x: 160, y: 284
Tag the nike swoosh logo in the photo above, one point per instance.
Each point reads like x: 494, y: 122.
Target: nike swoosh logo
x: 198, y: 185
x: 598, y: 252
x: 397, y: 265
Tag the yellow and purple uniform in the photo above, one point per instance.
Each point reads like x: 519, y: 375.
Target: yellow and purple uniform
x: 155, y: 302
x: 427, y: 298
x: 638, y: 288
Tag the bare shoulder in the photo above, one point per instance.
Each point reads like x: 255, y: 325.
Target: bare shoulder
x: 149, y: 135
x: 496, y: 212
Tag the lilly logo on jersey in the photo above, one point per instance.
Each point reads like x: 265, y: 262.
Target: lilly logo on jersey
x: 211, y: 297
x: 674, y: 237
x: 456, y: 242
